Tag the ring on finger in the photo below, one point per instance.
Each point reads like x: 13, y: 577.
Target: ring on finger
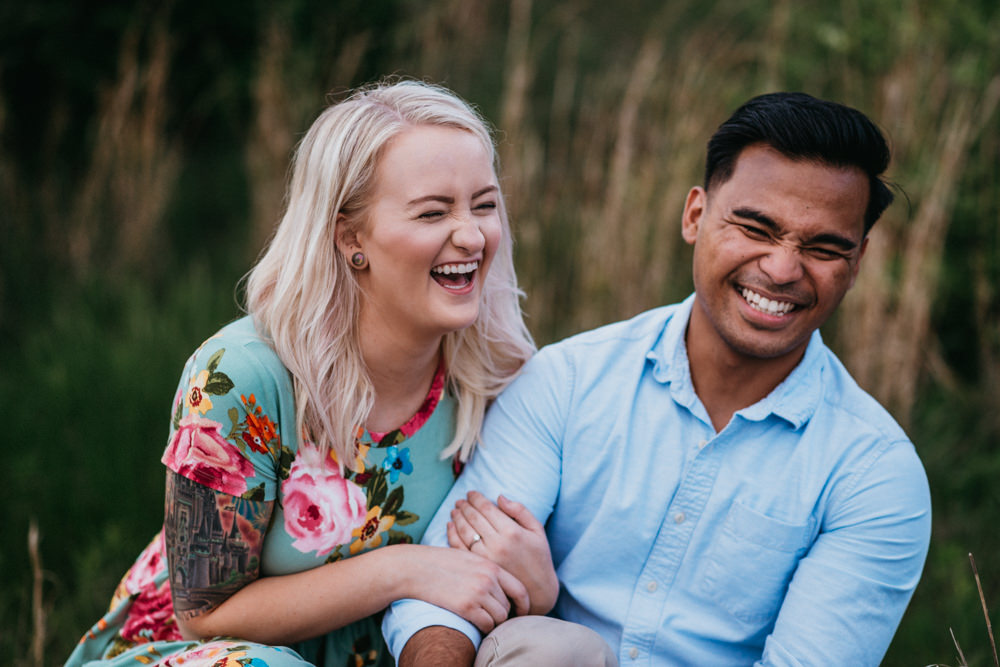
x: 475, y: 538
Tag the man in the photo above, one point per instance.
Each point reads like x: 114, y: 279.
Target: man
x: 715, y: 488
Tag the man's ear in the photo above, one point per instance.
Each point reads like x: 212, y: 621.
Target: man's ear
x: 857, y: 263
x: 347, y: 239
x: 694, y: 209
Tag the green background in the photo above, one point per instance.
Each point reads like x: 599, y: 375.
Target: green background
x: 143, y: 155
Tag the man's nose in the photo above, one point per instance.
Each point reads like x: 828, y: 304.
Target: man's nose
x: 782, y: 264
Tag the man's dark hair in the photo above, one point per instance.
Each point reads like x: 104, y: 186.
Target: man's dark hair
x: 802, y: 127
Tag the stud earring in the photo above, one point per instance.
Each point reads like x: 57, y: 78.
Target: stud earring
x: 358, y: 260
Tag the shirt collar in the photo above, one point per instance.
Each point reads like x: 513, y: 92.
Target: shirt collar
x: 794, y: 400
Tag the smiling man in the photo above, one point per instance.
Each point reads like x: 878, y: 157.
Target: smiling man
x: 715, y: 487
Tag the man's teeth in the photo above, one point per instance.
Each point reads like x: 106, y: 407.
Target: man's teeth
x: 765, y: 305
x: 446, y: 269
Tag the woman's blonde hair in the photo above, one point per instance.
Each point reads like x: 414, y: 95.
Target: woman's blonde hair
x: 305, y: 300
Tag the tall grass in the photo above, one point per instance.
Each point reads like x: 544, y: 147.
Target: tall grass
x: 110, y: 274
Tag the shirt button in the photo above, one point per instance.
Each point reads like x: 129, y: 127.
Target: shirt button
x: 701, y: 445
x: 651, y: 587
x: 633, y: 653
x: 679, y: 517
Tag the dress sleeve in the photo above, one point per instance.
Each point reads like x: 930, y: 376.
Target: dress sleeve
x: 224, y: 432
x: 850, y: 591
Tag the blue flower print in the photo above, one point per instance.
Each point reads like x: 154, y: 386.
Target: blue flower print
x: 397, y: 461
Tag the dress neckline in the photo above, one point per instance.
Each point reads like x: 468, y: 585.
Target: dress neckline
x: 419, y: 418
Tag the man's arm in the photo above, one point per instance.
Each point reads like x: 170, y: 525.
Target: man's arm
x: 519, y: 457
x: 850, y: 591
x: 438, y: 646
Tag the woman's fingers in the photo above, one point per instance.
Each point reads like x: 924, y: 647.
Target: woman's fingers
x: 516, y: 592
x: 482, y: 516
x: 519, y: 513
x: 464, y: 531
x: 465, y: 583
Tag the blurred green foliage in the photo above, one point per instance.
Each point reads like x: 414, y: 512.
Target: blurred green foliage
x: 93, y: 336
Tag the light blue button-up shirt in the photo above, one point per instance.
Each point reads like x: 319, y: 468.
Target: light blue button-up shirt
x: 796, y: 535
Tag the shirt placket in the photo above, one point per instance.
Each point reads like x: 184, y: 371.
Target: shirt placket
x: 653, y: 585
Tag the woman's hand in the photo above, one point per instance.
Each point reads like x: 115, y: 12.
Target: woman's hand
x: 510, y: 536
x: 467, y: 584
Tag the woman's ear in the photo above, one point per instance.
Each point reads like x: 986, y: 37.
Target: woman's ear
x: 346, y: 238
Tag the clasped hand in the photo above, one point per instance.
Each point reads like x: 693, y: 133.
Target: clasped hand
x: 507, y: 534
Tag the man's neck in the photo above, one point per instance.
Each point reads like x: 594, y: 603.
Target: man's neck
x: 725, y: 380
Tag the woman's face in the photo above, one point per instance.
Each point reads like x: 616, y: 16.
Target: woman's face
x: 430, y: 233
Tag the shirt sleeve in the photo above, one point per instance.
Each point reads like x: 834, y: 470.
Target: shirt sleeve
x: 849, y: 592
x: 519, y: 457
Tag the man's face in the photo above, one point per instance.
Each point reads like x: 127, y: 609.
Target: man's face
x: 776, y: 247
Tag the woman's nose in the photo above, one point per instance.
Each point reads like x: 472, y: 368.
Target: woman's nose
x: 467, y: 234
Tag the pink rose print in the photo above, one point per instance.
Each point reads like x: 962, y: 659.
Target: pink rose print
x: 321, y: 507
x: 150, y: 618
x: 150, y: 562
x: 198, y: 451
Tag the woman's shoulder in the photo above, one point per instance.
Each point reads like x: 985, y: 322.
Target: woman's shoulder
x: 236, y: 367
x: 242, y: 349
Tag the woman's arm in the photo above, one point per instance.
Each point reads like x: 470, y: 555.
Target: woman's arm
x: 223, y: 594
x: 510, y: 536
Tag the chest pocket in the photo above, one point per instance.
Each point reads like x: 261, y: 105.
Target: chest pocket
x: 751, y: 561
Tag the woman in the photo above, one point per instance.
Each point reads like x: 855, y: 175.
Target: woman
x: 310, y: 441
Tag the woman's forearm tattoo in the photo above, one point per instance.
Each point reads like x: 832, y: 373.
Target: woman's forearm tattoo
x: 213, y: 542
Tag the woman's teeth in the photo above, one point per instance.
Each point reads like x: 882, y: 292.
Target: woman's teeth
x: 447, y: 269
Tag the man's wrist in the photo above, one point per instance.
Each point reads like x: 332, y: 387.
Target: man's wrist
x: 438, y: 645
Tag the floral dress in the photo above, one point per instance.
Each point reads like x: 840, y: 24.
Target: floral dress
x: 233, y: 430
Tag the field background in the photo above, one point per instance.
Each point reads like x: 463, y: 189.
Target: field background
x: 143, y: 154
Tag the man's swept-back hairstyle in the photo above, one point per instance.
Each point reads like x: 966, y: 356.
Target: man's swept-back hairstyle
x: 802, y: 127
x: 304, y: 298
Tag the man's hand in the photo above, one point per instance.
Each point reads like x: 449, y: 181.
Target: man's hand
x: 438, y: 645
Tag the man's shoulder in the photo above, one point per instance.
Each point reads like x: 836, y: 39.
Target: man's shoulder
x: 854, y: 406
x: 637, y: 331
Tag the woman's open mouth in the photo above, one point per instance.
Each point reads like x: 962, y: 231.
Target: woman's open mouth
x: 454, y: 276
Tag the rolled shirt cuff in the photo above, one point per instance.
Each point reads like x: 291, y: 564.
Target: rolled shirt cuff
x: 404, y: 618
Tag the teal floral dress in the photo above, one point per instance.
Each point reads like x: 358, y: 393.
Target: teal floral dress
x: 233, y: 430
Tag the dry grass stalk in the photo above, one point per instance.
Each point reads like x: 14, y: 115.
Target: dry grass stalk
x: 613, y: 246
x: 520, y: 163
x: 272, y: 136
x: 133, y: 165
x: 37, y: 607
x: 284, y: 104
x: 889, y: 317
x: 986, y: 613
x: 774, y: 44
x: 148, y: 162
x: 962, y: 662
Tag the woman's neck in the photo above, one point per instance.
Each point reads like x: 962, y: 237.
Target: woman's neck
x: 401, y: 370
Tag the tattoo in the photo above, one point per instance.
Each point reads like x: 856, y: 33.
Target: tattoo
x: 213, y: 543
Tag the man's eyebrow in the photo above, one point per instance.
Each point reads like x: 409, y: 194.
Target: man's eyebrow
x: 826, y: 238
x: 756, y: 216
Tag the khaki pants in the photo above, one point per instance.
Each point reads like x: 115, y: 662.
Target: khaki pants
x: 540, y: 641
